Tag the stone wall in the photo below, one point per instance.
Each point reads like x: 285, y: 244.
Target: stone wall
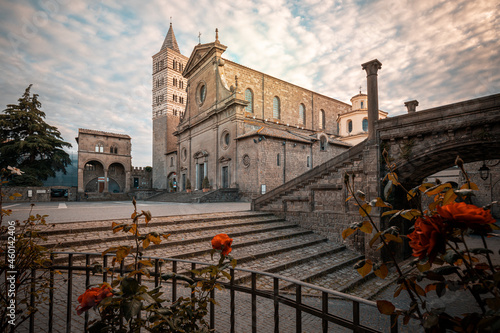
x: 38, y: 194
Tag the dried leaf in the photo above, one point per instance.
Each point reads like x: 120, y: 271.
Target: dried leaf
x: 437, y: 189
x: 378, y: 202
x: 393, y: 238
x: 385, y: 307
x: 381, y: 271
x: 390, y: 212
x: 365, y: 210
x: 409, y: 214
x: 347, y: 232
x: 469, y: 186
x: 364, y: 267
x: 450, y: 196
x: 367, y: 228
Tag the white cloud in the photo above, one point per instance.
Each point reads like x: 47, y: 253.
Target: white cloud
x: 91, y: 61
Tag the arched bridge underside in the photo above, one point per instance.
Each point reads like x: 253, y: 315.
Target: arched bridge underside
x: 425, y: 142
x: 420, y: 143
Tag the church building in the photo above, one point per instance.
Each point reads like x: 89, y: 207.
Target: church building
x: 238, y: 127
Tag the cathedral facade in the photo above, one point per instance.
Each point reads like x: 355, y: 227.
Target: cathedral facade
x: 240, y: 128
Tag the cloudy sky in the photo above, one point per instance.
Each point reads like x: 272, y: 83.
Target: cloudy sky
x: 90, y: 61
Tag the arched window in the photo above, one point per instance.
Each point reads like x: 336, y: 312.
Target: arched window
x: 99, y: 148
x: 111, y: 150
x: 302, y: 113
x: 362, y: 104
x: 322, y: 143
x: 349, y: 126
x: 338, y: 128
x: 249, y: 98
x: 365, y: 125
x: 276, y: 107
x: 322, y: 119
x: 278, y: 159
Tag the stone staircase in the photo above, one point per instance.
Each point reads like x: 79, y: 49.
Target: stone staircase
x: 261, y: 241
x: 181, y: 197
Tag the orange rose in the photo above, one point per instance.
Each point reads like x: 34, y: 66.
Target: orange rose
x: 222, y: 242
x: 92, y: 297
x: 469, y: 215
x: 428, y: 238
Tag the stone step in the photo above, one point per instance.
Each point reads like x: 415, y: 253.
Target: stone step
x: 104, y: 225
x: 307, y: 270
x: 195, y: 242
x: 82, y: 238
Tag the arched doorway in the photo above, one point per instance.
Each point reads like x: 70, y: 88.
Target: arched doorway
x: 172, y: 182
x: 116, y: 175
x: 93, y: 171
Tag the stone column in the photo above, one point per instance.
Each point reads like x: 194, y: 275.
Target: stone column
x: 411, y: 106
x: 106, y: 188
x: 371, y: 69
x: 81, y: 188
x: 127, y: 182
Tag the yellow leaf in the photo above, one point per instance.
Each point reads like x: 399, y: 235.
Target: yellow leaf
x: 147, y: 216
x: 146, y: 263
x: 122, y: 252
x: 134, y: 214
x: 347, y: 232
x: 17, y: 194
x: 409, y: 214
x: 385, y: 307
x: 377, y: 235
x: 155, y: 239
x: 392, y: 238
x: 390, y: 212
x: 11, y: 197
x: 145, y: 243
x: 424, y: 267
x: 380, y: 203
x: 349, y: 198
x: 437, y: 189
x: 382, y: 271
x: 367, y: 228
x: 364, y: 267
x: 117, y: 227
x: 471, y: 187
x: 450, y: 196
x: 425, y: 186
x: 411, y: 194
x: 133, y: 229
x: 393, y: 178
x: 365, y: 210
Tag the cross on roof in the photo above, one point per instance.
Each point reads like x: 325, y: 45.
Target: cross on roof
x: 199, y: 37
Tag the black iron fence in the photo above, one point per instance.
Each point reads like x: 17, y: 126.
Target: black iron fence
x: 241, y: 307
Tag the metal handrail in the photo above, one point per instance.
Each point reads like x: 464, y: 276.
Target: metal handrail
x: 275, y: 294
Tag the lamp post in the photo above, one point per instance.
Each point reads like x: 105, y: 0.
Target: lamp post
x: 484, y: 171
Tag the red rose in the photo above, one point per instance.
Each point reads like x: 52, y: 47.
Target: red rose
x: 222, y: 242
x: 469, y: 215
x: 429, y: 237
x: 92, y: 297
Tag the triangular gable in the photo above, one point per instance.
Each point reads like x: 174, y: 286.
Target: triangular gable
x: 199, y: 54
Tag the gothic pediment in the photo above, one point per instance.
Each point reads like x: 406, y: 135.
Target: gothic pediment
x: 224, y: 159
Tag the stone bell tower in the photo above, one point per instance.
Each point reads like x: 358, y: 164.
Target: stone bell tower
x: 168, y: 104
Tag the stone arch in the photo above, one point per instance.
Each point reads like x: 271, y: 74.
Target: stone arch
x: 117, y: 177
x: 172, y: 177
x: 91, y: 176
x: 429, y: 157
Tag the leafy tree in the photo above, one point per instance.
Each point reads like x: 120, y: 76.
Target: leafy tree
x: 29, y: 143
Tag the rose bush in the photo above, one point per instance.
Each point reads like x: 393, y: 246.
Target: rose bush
x: 127, y: 305
x: 445, y: 262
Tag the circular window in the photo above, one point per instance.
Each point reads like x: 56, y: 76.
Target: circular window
x: 246, y: 161
x: 184, y: 154
x: 202, y: 93
x: 225, y: 139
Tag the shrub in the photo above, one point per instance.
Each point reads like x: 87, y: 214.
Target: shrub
x: 444, y: 261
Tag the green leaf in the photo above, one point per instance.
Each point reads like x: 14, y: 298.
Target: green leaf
x: 130, y: 286
x: 131, y: 309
